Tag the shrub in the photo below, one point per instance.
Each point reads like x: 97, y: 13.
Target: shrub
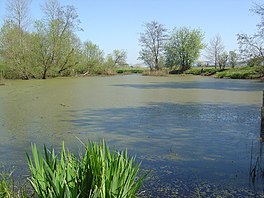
x: 129, y: 70
x: 193, y: 71
x: 96, y: 173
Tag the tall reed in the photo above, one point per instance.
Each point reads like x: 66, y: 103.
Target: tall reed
x: 96, y: 173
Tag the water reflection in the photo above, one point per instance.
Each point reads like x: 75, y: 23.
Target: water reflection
x: 195, y: 134
x: 256, y: 168
x: 186, y: 144
x: 215, y: 84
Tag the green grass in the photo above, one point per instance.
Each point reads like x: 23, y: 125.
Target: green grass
x: 242, y: 72
x: 8, y: 188
x: 96, y: 173
x: 207, y: 71
x: 5, y: 186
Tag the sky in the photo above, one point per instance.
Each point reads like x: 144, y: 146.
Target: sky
x: 117, y: 24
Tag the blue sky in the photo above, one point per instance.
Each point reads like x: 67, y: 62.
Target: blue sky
x: 116, y: 24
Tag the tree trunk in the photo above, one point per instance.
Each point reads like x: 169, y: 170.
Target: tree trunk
x: 44, y: 74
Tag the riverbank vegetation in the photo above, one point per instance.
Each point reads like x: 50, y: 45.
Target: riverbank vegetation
x: 97, y: 172
x: 50, y: 47
x: 241, y: 72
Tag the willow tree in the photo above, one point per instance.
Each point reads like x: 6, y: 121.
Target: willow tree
x: 55, y: 43
x: 15, y: 45
x: 92, y: 58
x: 152, y: 42
x: 183, y: 47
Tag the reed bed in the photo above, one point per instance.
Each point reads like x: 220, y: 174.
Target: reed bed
x: 98, y: 173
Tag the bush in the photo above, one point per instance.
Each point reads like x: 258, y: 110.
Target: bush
x: 193, y: 71
x: 129, y: 70
x: 96, y: 173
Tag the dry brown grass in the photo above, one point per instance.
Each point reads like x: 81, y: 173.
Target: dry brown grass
x: 155, y: 73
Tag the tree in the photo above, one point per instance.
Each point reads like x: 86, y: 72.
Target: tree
x: 119, y: 58
x: 252, y: 46
x: 222, y: 60
x: 214, y: 49
x: 233, y: 58
x: 183, y: 47
x: 56, y: 44
x: 18, y: 12
x: 14, y: 52
x: 92, y: 56
x: 152, y: 42
x: 15, y: 46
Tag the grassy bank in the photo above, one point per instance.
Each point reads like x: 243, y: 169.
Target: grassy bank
x: 242, y: 72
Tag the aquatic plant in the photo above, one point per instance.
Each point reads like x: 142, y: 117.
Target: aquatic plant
x: 96, y: 173
x: 7, y: 186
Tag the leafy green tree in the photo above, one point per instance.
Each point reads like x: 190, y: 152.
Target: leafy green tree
x: 15, y: 50
x: 55, y: 43
x: 152, y: 42
x: 183, y: 47
x: 15, y: 45
x: 92, y: 58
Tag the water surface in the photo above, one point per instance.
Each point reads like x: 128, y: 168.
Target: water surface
x: 197, y: 135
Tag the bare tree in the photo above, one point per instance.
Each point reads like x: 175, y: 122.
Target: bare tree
x: 152, y: 42
x: 222, y: 60
x: 252, y: 46
x: 18, y: 12
x: 233, y: 58
x: 119, y: 57
x: 51, y: 9
x: 214, y: 49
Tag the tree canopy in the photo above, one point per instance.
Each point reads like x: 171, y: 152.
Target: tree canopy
x: 183, y: 47
x: 51, y: 47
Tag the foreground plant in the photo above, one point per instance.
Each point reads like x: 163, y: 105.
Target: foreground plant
x: 7, y: 187
x: 96, y: 173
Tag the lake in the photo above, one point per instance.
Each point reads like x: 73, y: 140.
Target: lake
x: 196, y: 136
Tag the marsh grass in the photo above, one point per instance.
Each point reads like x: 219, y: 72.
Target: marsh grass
x: 8, y: 188
x: 5, y: 186
x: 96, y: 173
